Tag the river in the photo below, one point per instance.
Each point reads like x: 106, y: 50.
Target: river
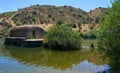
x: 40, y: 60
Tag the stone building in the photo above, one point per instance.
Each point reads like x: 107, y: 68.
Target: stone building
x: 28, y: 31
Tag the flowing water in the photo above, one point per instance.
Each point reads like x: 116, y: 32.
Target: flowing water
x: 40, y: 60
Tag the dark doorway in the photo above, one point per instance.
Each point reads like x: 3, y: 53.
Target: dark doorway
x: 34, y: 34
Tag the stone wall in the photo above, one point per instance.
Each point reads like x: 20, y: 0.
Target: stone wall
x: 27, y: 31
x: 23, y: 42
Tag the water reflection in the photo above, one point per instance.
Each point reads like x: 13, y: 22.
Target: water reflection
x: 57, y: 59
x: 88, y: 67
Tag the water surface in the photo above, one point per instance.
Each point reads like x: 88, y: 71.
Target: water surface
x: 40, y: 60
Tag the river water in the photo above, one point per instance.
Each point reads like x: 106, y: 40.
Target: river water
x: 40, y: 60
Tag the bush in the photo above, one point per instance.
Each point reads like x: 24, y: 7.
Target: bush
x: 61, y: 37
x: 92, y: 34
x: 109, y: 35
x: 18, y: 23
x: 59, y: 22
x: 4, y: 32
x: 73, y: 25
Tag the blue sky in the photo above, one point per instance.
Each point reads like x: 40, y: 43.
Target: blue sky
x: 87, y: 5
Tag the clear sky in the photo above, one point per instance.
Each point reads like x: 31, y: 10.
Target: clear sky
x: 87, y: 5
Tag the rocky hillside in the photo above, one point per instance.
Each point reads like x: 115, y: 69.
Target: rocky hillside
x: 95, y: 14
x: 50, y: 15
x: 47, y: 14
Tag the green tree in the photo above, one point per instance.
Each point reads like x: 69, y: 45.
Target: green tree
x: 109, y: 35
x: 60, y: 37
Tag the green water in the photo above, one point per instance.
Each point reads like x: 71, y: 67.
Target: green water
x: 40, y: 60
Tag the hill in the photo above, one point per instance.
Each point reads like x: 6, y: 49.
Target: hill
x: 95, y: 14
x: 47, y: 15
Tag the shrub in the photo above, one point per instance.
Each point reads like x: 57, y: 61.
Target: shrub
x: 60, y: 37
x: 72, y: 25
x: 18, y: 23
x: 59, y: 22
x: 109, y: 35
x: 4, y: 32
x: 92, y: 34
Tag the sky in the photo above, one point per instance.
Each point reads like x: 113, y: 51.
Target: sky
x: 86, y: 5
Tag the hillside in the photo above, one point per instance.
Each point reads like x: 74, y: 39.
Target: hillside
x: 45, y: 15
x: 95, y: 14
x: 50, y: 15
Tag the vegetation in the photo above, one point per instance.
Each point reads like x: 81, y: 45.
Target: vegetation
x: 47, y: 14
x: 4, y: 32
x: 59, y: 22
x: 42, y: 14
x: 61, y: 37
x: 92, y: 34
x: 6, y: 14
x: 18, y: 23
x: 109, y: 35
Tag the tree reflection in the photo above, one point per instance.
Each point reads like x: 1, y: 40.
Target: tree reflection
x: 49, y: 58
